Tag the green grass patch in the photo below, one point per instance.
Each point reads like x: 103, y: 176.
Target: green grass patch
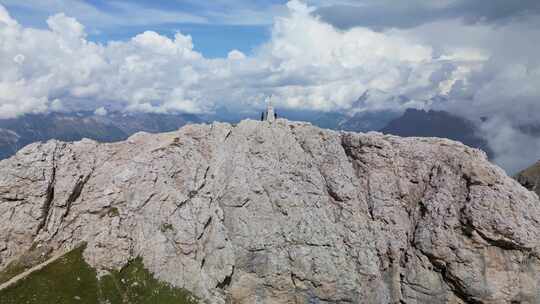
x: 71, y: 280
x: 113, y: 212
x: 166, y: 227
x: 137, y: 285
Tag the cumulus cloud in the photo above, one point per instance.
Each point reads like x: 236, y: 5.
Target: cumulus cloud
x: 5, y: 17
x: 57, y: 106
x: 101, y: 111
x: 236, y: 55
x: 307, y: 64
x: 480, y: 70
x: 150, y: 72
x: 310, y: 64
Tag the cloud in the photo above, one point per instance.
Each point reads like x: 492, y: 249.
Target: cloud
x: 66, y: 27
x: 5, y: 17
x: 384, y: 14
x: 513, y: 149
x: 150, y: 72
x: 101, y: 111
x: 237, y: 12
x: 105, y: 16
x: 117, y: 13
x: 311, y: 64
x: 236, y: 55
x: 501, y: 81
x: 307, y: 64
x: 474, y: 69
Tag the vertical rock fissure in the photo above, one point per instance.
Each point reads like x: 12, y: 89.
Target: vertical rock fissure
x: 370, y: 199
x: 353, y: 160
x: 49, y: 194
x: 193, y: 193
x: 227, y: 280
x: 76, y: 193
x: 206, y: 225
x: 327, y: 186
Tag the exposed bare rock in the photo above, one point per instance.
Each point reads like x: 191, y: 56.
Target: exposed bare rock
x: 282, y: 213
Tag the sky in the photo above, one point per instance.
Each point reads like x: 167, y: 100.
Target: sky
x: 216, y: 26
x: 196, y: 56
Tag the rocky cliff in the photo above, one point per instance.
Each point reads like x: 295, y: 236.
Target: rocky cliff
x: 282, y: 213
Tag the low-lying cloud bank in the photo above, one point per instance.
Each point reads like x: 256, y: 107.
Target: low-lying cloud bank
x: 481, y: 70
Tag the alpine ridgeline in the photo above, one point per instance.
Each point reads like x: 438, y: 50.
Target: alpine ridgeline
x: 281, y: 212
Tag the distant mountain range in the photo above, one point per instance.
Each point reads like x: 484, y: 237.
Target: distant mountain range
x: 19, y: 132
x: 437, y: 124
x: 116, y: 126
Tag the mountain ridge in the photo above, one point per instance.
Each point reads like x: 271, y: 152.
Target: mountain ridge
x: 432, y: 123
x: 283, y: 212
x: 114, y: 126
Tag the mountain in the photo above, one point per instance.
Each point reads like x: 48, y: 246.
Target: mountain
x: 262, y: 212
x: 8, y: 143
x: 363, y: 121
x: 373, y: 99
x: 530, y: 178
x: 358, y: 122
x: 327, y: 120
x: 369, y: 121
x: 420, y: 123
x: 19, y: 132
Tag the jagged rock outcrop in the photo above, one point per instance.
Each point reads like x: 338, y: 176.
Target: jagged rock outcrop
x: 282, y: 213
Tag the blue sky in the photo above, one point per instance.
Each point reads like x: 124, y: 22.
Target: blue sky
x: 210, y: 39
x: 216, y: 26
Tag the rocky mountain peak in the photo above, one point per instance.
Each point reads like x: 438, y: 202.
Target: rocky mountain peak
x: 282, y: 212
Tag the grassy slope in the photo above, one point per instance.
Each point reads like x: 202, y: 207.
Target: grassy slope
x: 72, y: 280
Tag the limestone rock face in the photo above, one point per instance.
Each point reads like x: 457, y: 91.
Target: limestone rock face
x: 282, y: 212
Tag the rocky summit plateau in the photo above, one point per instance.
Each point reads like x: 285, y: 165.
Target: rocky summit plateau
x: 277, y: 212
